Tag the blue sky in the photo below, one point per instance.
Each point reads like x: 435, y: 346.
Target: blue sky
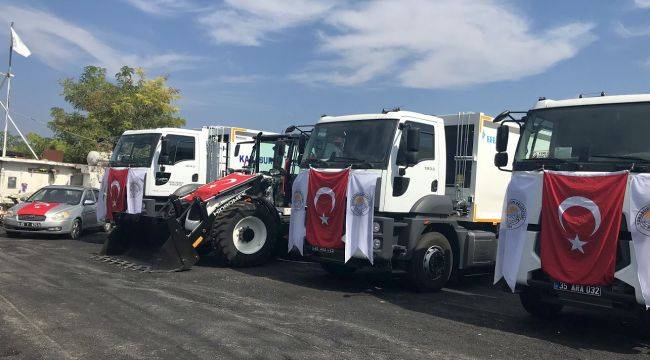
x: 266, y: 64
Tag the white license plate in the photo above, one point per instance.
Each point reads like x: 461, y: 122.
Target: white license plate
x: 578, y: 289
x: 30, y: 224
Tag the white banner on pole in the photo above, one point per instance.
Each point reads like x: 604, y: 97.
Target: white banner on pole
x: 18, y: 45
x: 135, y: 190
x: 101, y: 200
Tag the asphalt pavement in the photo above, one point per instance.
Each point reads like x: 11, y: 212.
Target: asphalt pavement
x: 56, y: 302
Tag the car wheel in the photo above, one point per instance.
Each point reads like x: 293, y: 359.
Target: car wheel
x: 75, y: 229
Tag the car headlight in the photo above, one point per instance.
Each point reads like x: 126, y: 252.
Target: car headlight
x: 61, y: 215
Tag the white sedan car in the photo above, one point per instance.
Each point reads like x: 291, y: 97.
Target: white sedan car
x: 54, y: 209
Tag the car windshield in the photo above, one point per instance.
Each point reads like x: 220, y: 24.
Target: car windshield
x: 586, y: 134
x: 56, y: 195
x: 135, y: 150
x: 360, y: 143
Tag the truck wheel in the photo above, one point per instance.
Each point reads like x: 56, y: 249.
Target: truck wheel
x: 244, y: 235
x: 337, y: 270
x: 431, y: 264
x: 532, y: 302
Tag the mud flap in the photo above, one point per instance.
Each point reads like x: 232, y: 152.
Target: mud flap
x: 154, y: 242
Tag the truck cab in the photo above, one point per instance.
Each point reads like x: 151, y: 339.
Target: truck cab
x: 588, y: 135
x: 417, y: 226
x: 175, y: 157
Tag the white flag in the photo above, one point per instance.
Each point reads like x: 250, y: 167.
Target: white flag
x: 101, y: 201
x: 18, y: 45
x: 359, y: 214
x: 514, y: 224
x: 135, y: 190
x: 639, y: 226
x: 297, y: 229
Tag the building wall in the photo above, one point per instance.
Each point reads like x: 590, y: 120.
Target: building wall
x: 22, y: 178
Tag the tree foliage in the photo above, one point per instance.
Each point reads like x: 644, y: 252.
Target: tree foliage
x: 39, y: 143
x: 102, y: 110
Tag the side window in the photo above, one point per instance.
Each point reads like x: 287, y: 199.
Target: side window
x: 88, y: 195
x: 179, y: 148
x: 427, y: 143
x: 11, y: 182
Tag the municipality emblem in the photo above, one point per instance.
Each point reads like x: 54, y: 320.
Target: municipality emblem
x: 298, y: 201
x: 360, y: 204
x: 515, y: 214
x: 642, y: 220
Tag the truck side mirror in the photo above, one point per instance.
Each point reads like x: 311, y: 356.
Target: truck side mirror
x: 278, y: 154
x: 502, y: 138
x: 501, y: 159
x: 412, y: 140
x: 237, y: 148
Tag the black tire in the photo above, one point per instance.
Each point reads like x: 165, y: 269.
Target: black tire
x: 432, y: 262
x: 222, y: 241
x: 531, y: 300
x: 12, y: 234
x: 339, y: 271
x: 75, y: 230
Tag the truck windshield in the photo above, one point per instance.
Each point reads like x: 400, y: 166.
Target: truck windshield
x: 135, y: 150
x: 358, y: 143
x: 594, y: 134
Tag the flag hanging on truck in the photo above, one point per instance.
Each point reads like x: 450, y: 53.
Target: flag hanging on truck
x: 359, y: 214
x: 522, y: 191
x: 116, y: 191
x: 326, y: 208
x: 580, y: 223
x: 297, y: 220
x: 639, y: 226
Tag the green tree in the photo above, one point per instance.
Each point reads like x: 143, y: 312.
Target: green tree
x: 103, y: 110
x: 39, y: 143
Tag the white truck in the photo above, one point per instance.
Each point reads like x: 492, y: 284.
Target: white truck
x: 438, y: 199
x: 175, y: 157
x: 587, y: 134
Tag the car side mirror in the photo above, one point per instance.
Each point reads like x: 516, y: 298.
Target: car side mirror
x: 503, y: 132
x: 89, y: 202
x: 237, y: 148
x: 501, y: 159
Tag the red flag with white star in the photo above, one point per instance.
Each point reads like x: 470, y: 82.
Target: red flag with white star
x: 326, y: 208
x: 116, y: 191
x: 581, y: 220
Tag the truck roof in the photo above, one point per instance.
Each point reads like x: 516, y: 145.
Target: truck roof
x: 163, y: 130
x: 596, y: 100
x: 388, y: 115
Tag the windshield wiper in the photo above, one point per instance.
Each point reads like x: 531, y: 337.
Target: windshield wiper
x: 623, y: 157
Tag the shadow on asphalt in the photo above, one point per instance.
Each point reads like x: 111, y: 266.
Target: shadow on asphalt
x: 89, y: 236
x: 473, y: 301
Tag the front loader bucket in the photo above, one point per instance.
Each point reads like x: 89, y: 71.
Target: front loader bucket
x: 148, y: 243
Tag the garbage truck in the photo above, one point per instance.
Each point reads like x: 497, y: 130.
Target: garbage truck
x: 175, y: 157
x: 239, y: 218
x: 586, y: 137
x: 438, y: 197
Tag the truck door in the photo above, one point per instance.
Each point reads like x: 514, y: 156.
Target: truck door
x: 418, y: 180
x: 178, y: 165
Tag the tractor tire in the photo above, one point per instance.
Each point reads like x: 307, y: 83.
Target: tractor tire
x: 533, y: 304
x: 432, y: 263
x: 244, y: 235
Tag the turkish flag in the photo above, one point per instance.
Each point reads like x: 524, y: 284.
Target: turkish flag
x: 326, y: 208
x: 116, y: 191
x: 581, y: 219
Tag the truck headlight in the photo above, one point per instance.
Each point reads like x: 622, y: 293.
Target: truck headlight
x: 376, y: 227
x: 376, y: 244
x: 61, y: 215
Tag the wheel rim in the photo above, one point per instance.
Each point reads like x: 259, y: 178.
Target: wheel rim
x: 249, y: 235
x: 74, y: 232
x: 435, y: 263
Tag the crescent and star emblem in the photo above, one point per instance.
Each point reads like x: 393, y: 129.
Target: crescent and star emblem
x: 583, y: 202
x: 329, y: 192
x: 115, y: 184
x: 223, y: 182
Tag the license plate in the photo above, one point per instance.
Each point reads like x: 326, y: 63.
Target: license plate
x: 578, y: 289
x: 30, y: 224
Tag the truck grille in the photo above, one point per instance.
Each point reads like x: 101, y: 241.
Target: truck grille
x: 31, y: 217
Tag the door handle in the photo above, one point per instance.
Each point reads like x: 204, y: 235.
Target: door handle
x: 195, y: 177
x: 434, y: 186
